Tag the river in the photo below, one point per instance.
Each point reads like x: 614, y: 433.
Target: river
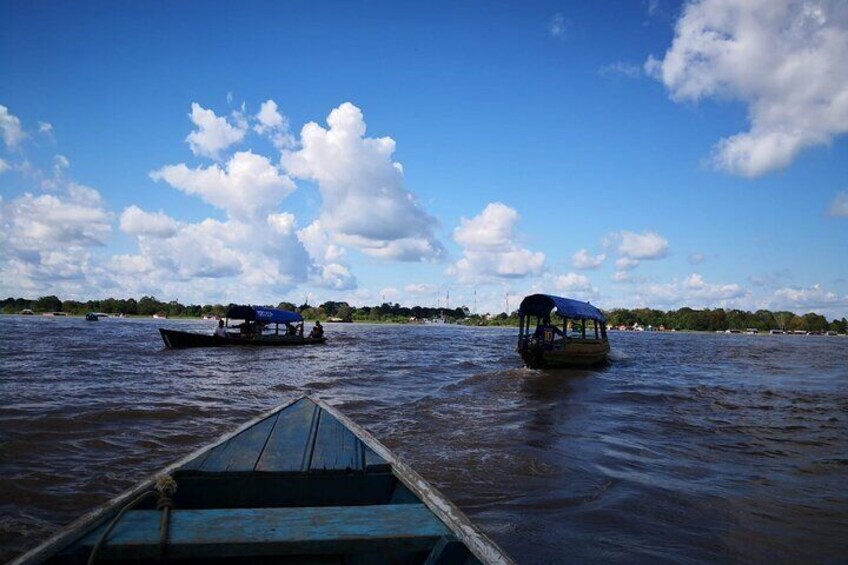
x: 686, y: 448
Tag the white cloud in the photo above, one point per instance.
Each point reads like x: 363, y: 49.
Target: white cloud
x: 214, y: 134
x: 576, y: 285
x: 696, y: 258
x: 365, y: 204
x: 45, y: 128
x: 785, y: 59
x: 274, y: 124
x: 247, y: 188
x: 692, y: 291
x: 626, y: 264
x: 645, y: 246
x: 558, y: 25
x: 582, y: 260
x: 813, y: 298
x: 621, y: 276
x: 838, y: 208
x: 282, y: 224
x: 46, y: 222
x: 4, y: 166
x: 11, y: 127
x: 420, y: 288
x: 620, y: 69
x: 489, y: 247
x: 136, y: 221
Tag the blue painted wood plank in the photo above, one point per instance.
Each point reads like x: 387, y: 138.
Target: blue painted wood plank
x: 275, y: 531
x: 289, y: 446
x: 242, y: 452
x: 374, y: 463
x: 336, y: 448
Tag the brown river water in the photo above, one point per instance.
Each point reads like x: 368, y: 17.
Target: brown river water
x: 686, y: 448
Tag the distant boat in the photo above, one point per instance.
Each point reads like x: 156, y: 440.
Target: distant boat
x: 300, y: 484
x: 160, y: 316
x: 26, y: 312
x: 252, y: 319
x: 51, y: 314
x: 92, y: 317
x: 550, y: 347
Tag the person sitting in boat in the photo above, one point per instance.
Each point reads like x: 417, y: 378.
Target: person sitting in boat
x: 317, y: 331
x: 300, y: 329
x: 221, y: 331
x: 291, y: 330
x: 545, y: 333
x: 246, y: 329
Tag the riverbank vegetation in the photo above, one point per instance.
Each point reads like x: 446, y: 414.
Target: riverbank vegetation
x: 683, y: 319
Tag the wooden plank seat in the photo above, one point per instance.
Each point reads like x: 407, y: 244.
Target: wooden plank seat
x: 273, y: 531
x: 304, y: 438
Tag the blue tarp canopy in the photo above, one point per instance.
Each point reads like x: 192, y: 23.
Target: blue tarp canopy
x: 262, y: 314
x: 541, y: 305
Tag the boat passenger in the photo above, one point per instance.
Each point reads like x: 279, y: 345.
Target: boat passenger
x: 317, y: 331
x: 300, y: 329
x: 221, y: 331
x: 545, y: 333
x: 291, y: 330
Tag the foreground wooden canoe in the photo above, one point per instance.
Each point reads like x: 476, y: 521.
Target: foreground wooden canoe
x: 300, y: 484
x: 175, y: 339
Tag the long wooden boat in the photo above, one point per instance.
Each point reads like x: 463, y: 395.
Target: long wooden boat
x: 253, y: 319
x: 300, y: 484
x: 175, y: 339
x: 548, y: 346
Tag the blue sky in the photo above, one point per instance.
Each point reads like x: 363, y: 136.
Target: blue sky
x: 674, y: 154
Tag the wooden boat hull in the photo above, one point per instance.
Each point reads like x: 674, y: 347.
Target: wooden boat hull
x: 300, y: 484
x: 576, y: 353
x: 175, y: 339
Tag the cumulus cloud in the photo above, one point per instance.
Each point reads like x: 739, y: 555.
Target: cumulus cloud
x: 489, y: 247
x: 645, y: 246
x: 582, y: 260
x: 43, y: 223
x: 213, y: 134
x: 785, y: 59
x: 136, y: 221
x: 47, y: 240
x: 364, y: 202
x: 10, y: 126
x: 576, y: 285
x: 420, y: 288
x: 693, y: 291
x: 626, y: 264
x: 246, y: 188
x: 273, y: 124
x: 838, y: 208
x: 813, y: 298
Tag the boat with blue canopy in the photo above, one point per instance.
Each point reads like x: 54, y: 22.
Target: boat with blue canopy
x: 251, y: 326
x: 581, y: 341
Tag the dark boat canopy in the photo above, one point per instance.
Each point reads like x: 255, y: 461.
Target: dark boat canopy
x: 542, y: 304
x: 262, y: 314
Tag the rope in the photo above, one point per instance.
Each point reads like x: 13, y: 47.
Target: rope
x: 165, y: 486
x: 102, y: 539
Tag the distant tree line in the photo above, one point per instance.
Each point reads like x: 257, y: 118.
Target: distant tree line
x: 720, y: 319
x: 717, y: 319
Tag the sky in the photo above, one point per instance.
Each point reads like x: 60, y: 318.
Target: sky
x: 633, y: 154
